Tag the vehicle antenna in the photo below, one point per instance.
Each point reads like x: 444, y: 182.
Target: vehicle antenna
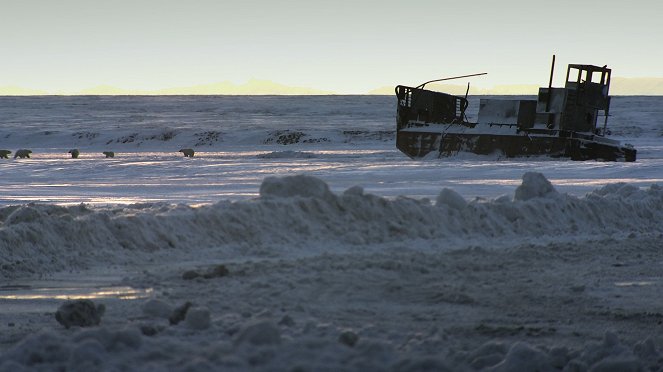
x: 421, y: 86
x: 552, y: 71
x: 462, y: 109
x: 606, y: 112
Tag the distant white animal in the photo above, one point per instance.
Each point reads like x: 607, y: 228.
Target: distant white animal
x: 74, y: 153
x: 109, y: 154
x: 188, y: 153
x: 4, y: 154
x: 22, y: 153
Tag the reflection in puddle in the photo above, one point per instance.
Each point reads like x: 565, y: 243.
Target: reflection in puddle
x: 634, y: 283
x: 117, y: 292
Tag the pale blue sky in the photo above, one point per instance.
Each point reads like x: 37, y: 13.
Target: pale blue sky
x: 341, y: 46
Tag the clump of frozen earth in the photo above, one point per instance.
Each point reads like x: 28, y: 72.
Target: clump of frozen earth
x: 79, y: 313
x: 179, y: 313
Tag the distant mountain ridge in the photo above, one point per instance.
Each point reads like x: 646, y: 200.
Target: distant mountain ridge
x: 619, y: 86
x: 18, y: 91
x: 636, y: 86
x: 251, y: 87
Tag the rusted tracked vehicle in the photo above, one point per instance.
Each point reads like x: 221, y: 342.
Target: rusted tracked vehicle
x: 561, y: 122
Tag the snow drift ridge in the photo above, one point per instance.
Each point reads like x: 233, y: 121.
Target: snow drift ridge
x: 297, y: 210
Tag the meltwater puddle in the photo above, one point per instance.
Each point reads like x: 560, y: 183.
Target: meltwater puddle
x: 47, y: 295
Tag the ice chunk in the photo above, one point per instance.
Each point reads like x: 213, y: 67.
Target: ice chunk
x: 451, y: 199
x: 291, y: 186
x: 535, y: 185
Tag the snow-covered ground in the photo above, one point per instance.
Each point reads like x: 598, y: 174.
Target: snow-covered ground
x: 332, y: 250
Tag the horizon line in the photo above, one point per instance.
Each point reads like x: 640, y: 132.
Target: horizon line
x: 637, y: 86
x: 286, y: 95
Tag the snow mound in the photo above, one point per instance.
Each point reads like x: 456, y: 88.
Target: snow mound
x: 298, y: 210
x: 451, y: 199
x: 300, y: 185
x: 198, y: 318
x: 260, y: 346
x: 535, y: 185
x: 263, y: 332
x: 80, y: 351
x: 157, y: 308
x: 287, y: 155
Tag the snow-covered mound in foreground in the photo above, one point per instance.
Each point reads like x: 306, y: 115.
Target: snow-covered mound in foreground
x: 261, y: 346
x: 298, y: 210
